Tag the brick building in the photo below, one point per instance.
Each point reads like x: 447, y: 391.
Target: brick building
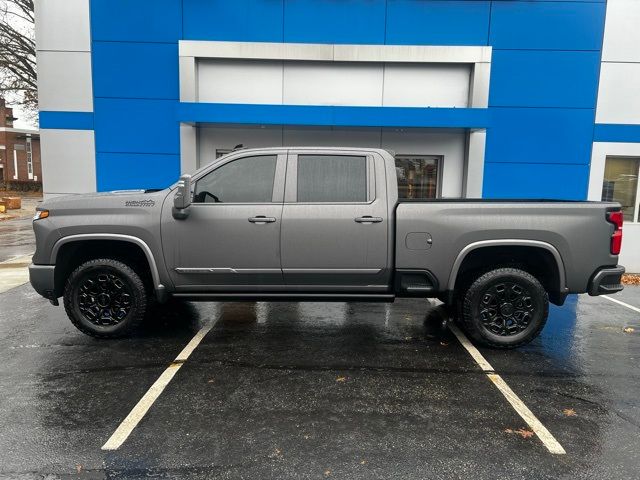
x: 19, y: 153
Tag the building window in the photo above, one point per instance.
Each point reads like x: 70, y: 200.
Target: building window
x: 29, y: 158
x: 621, y: 184
x: 418, y: 176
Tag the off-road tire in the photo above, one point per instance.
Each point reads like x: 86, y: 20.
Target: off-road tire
x: 533, y: 307
x: 127, y: 284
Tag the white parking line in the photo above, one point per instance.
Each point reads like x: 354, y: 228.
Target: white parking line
x: 518, y: 405
x: 635, y: 309
x: 142, y: 407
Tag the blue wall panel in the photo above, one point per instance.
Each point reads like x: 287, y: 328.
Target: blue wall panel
x: 66, y: 120
x: 529, y: 78
x: 136, y: 20
x: 540, y: 135
x: 604, y: 132
x: 332, y: 115
x: 527, y: 180
x: 121, y: 171
x: 136, y: 126
x: 547, y: 25
x: 420, y: 22
x: 135, y: 70
x: 239, y: 20
x: 346, y: 21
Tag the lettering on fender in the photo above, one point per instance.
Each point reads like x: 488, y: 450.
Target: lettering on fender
x: 140, y: 203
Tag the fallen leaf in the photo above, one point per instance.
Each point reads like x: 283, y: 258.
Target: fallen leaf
x: 521, y: 431
x: 363, y: 462
x: 341, y: 379
x: 210, y: 381
x: 569, y: 412
x: 628, y: 330
x: 327, y: 473
x: 524, y: 433
x: 444, y: 344
x: 79, y: 468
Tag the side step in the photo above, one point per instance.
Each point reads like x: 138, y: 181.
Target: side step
x: 415, y: 283
x: 286, y: 297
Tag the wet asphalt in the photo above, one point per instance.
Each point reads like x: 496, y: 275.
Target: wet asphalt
x: 311, y: 390
x: 16, y: 238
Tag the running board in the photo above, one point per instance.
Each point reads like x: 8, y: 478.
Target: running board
x: 285, y: 297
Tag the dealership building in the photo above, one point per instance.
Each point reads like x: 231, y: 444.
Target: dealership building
x: 477, y: 98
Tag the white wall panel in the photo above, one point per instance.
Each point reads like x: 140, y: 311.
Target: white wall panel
x: 433, y: 85
x: 238, y: 81
x: 63, y: 25
x: 329, y: 83
x: 618, y: 94
x: 621, y: 33
x: 64, y: 81
x: 325, y: 83
x: 68, y: 161
x: 331, y: 137
x: 213, y: 138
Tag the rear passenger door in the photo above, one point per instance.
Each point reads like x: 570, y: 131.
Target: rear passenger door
x: 335, y: 222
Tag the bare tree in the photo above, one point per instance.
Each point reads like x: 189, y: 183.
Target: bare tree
x: 18, y: 79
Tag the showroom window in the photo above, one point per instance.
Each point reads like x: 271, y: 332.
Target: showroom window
x: 621, y: 184
x: 418, y: 176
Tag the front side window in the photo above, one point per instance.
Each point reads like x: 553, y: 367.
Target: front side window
x: 246, y: 180
x: 621, y: 184
x: 332, y: 178
x: 417, y: 176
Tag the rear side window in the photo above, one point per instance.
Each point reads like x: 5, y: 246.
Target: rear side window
x: 246, y: 180
x: 332, y: 178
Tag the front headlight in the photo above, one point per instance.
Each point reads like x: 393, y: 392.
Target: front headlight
x: 40, y: 214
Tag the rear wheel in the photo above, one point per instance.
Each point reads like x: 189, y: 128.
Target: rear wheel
x: 504, y: 308
x: 105, y: 298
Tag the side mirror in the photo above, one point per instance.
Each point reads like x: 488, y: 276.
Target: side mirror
x: 182, y: 198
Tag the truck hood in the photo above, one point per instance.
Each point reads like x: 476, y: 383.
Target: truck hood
x: 106, y: 200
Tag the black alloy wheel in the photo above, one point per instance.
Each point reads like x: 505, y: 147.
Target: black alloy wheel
x: 504, y: 308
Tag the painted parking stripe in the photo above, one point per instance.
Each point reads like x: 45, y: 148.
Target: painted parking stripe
x: 518, y: 405
x: 635, y: 309
x: 142, y: 407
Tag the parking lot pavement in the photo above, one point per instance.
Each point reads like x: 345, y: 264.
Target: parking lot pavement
x: 16, y: 238
x: 287, y: 390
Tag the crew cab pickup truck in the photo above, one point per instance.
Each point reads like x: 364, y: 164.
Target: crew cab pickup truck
x: 320, y: 224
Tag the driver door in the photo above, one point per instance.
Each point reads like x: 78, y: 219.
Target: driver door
x: 230, y: 241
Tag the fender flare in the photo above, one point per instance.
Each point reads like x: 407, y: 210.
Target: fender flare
x: 153, y: 267
x: 512, y: 242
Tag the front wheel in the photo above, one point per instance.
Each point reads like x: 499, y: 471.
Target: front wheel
x: 105, y: 298
x: 504, y: 308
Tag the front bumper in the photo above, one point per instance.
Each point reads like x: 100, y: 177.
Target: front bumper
x: 42, y: 278
x: 606, y: 281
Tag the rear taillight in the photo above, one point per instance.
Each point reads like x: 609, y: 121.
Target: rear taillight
x: 616, y: 239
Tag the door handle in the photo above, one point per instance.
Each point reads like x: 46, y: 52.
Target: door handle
x: 262, y: 219
x: 368, y: 219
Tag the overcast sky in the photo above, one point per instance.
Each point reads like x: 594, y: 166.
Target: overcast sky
x: 20, y: 123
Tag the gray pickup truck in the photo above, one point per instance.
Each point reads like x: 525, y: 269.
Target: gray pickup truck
x: 320, y: 224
